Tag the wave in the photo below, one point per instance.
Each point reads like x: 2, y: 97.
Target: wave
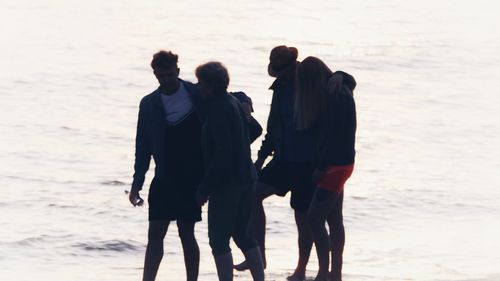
x: 113, y: 182
x: 109, y: 246
x: 31, y: 241
x: 61, y: 206
x: 38, y: 180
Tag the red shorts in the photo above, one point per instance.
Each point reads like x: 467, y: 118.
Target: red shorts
x: 335, y: 178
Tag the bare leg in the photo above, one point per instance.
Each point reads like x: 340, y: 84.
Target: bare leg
x: 190, y: 248
x: 253, y: 258
x: 322, y: 248
x: 259, y: 222
x: 321, y: 206
x: 154, y: 250
x: 305, y: 241
x: 337, y: 239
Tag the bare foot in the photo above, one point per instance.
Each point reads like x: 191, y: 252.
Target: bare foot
x: 297, y: 276
x: 335, y: 276
x: 242, y: 266
x: 322, y: 276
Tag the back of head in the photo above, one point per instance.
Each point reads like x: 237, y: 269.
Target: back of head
x: 281, y: 58
x: 311, y: 99
x: 214, y: 75
x: 313, y: 68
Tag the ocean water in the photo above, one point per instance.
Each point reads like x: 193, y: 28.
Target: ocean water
x: 421, y: 205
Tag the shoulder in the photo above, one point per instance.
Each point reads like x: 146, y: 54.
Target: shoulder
x: 193, y: 91
x: 347, y: 79
x: 242, y: 97
x: 148, y: 99
x: 278, y: 86
x: 190, y: 87
x: 216, y: 112
x: 341, y: 82
x: 274, y: 85
x: 346, y: 99
x: 334, y: 84
x: 226, y: 105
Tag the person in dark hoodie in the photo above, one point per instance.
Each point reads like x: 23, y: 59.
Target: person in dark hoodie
x: 291, y: 166
x: 228, y: 181
x: 325, y: 106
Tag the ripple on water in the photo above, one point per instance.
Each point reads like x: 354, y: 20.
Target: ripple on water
x: 41, y: 239
x: 61, y: 206
x: 109, y: 246
x: 113, y: 182
x: 360, y: 198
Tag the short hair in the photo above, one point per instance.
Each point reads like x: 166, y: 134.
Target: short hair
x: 214, y: 74
x: 164, y: 59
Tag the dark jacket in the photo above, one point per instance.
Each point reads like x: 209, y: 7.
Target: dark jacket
x: 254, y: 128
x: 150, y: 136
x: 226, y: 146
x: 272, y: 142
x: 335, y: 132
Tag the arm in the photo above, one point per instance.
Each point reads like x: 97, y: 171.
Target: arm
x: 348, y: 80
x: 267, y: 146
x: 142, y: 152
x: 254, y: 129
x: 219, y: 129
x: 340, y: 144
x: 326, y: 144
x: 331, y: 120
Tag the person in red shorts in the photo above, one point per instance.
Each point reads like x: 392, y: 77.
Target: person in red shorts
x: 325, y: 106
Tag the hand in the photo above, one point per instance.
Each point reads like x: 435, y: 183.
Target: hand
x: 134, y: 198
x: 258, y: 164
x: 201, y: 199
x: 317, y: 175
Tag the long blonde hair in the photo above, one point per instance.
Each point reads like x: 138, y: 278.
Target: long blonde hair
x: 311, y: 91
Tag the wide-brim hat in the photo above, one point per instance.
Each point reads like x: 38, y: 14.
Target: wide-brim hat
x: 281, y: 58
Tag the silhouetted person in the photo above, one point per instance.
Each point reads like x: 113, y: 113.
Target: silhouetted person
x: 325, y: 106
x: 291, y: 166
x: 169, y: 129
x: 229, y: 177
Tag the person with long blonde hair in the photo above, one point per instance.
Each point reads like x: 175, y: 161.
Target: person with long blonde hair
x: 325, y: 106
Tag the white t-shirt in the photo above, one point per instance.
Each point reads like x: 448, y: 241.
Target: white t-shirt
x: 177, y: 106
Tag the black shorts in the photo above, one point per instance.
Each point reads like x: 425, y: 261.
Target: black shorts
x: 287, y: 176
x: 171, y: 201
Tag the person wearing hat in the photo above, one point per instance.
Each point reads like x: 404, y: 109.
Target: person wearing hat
x: 290, y: 168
